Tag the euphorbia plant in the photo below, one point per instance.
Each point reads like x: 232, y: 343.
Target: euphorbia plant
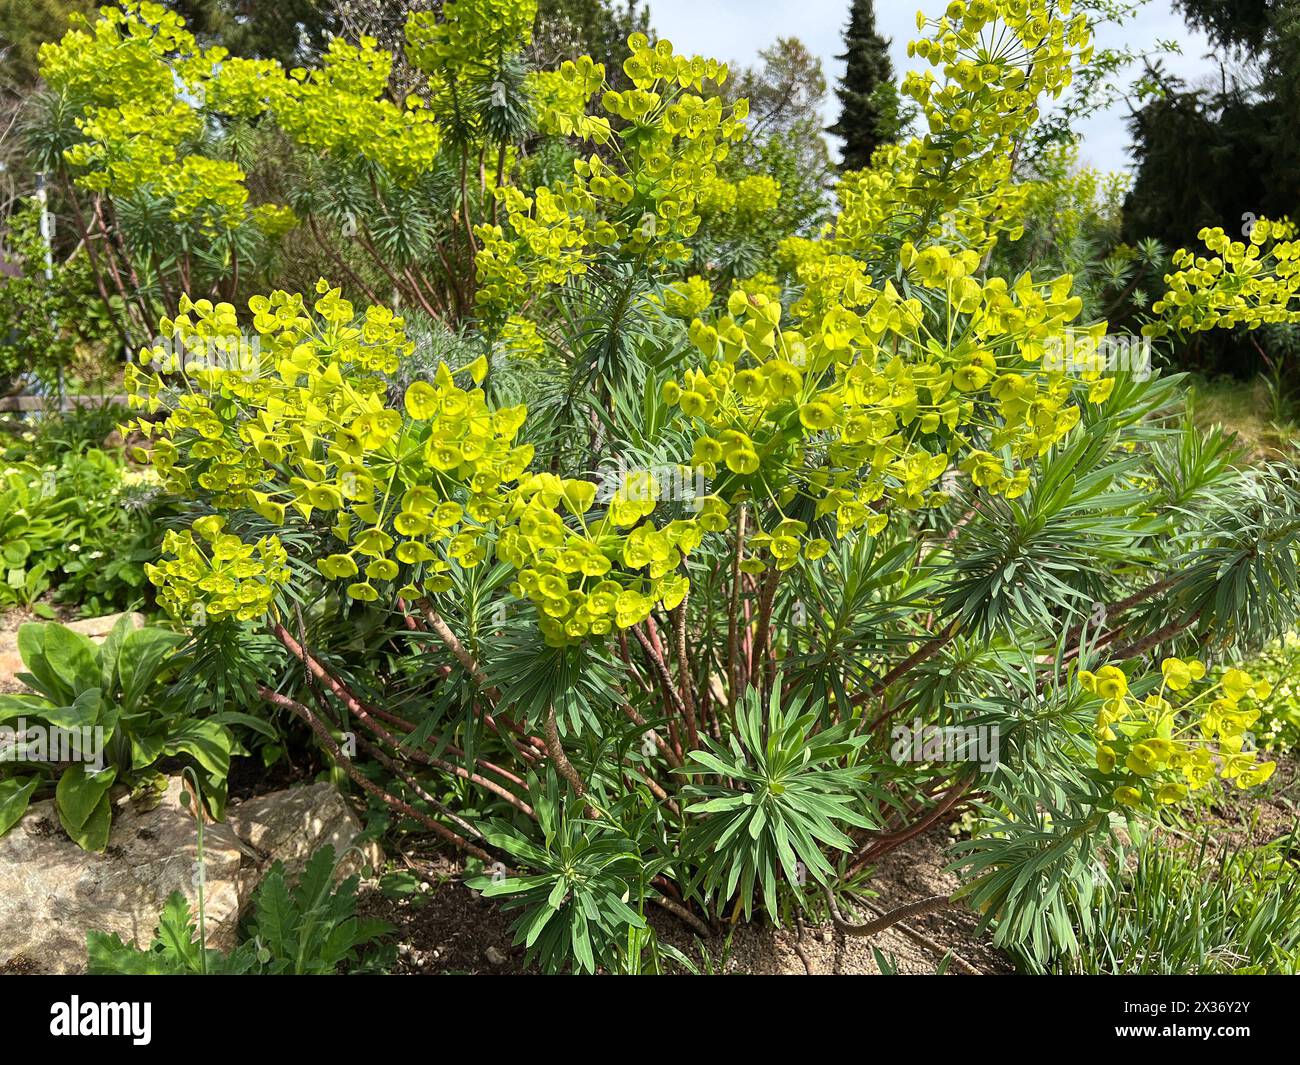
x: 902, y: 514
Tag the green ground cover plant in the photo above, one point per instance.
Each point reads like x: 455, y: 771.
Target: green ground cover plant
x: 112, y: 704
x: 303, y: 928
x: 79, y: 527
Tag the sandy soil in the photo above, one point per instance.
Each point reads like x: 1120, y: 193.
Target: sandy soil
x: 451, y: 929
x: 448, y: 928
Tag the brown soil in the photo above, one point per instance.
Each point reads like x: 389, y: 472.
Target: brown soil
x: 249, y: 778
x: 20, y: 966
x: 15, y: 616
x: 448, y: 928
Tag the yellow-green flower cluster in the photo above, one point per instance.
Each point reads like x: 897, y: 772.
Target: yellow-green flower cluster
x: 294, y: 420
x: 138, y: 83
x: 467, y: 37
x: 116, y: 58
x: 210, y: 192
x: 688, y: 298
x: 748, y: 199
x: 866, y: 402
x: 669, y: 141
x: 274, y: 220
x: 265, y: 397
x: 217, y: 575
x: 960, y: 379
x: 300, y: 421
x: 761, y: 284
x: 549, y: 244
x: 998, y: 58
x: 129, y: 146
x: 245, y: 88
x: 519, y: 338
x: 1158, y: 749
x: 1250, y: 282
x: 1065, y: 194
x: 587, y: 577
x: 143, y: 86
x: 562, y: 98
x: 342, y: 109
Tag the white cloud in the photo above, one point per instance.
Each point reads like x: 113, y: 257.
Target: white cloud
x: 735, y: 30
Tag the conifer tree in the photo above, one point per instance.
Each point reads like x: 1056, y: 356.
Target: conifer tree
x: 868, y: 100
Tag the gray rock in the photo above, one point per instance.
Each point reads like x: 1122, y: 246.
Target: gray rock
x: 99, y: 628
x: 52, y: 893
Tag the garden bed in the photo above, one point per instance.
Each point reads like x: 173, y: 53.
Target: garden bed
x: 443, y: 927
x: 681, y: 553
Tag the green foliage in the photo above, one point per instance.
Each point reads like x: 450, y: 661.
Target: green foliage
x: 80, y: 527
x: 787, y: 791
x: 572, y: 888
x: 1235, y: 136
x: 102, y: 714
x: 1239, y: 23
x: 308, y: 929
x: 675, y: 498
x: 311, y: 929
x: 1279, y: 664
x: 44, y: 323
x: 1167, y: 911
x: 85, y: 427
x: 292, y: 32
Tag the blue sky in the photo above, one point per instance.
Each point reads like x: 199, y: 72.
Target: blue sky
x: 735, y: 30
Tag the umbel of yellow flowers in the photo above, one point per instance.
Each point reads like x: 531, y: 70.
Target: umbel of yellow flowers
x: 302, y: 424
x: 1155, y: 748
x: 857, y: 398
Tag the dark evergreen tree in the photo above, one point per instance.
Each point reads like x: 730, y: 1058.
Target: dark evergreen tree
x: 1222, y: 155
x: 293, y: 31
x: 1234, y: 23
x: 868, y: 98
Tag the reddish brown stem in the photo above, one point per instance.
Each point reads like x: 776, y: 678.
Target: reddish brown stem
x: 338, y: 260
x: 670, y: 756
x: 733, y: 619
x: 684, y: 674
x: 366, y: 715
x: 665, y: 682
x: 327, y: 741
x: 762, y: 651
x: 1168, y: 632
x: 458, y: 649
x: 97, y: 270
x: 925, y: 651
x: 883, y: 844
x: 564, y: 767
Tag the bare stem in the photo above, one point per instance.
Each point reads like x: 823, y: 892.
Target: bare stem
x: 551, y: 732
x: 886, y: 920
